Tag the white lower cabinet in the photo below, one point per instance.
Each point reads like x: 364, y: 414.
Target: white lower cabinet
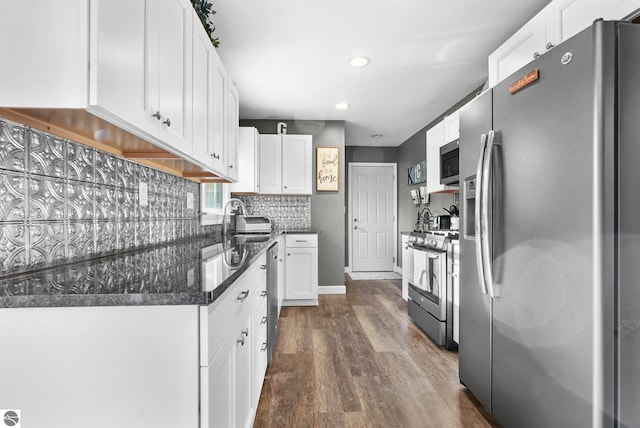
x: 301, y: 284
x: 234, y: 359
x: 407, y: 265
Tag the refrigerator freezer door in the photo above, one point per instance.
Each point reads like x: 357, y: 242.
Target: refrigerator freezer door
x: 475, y: 305
x: 542, y: 367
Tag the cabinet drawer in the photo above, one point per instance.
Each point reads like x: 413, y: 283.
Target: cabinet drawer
x: 217, y: 319
x: 305, y: 240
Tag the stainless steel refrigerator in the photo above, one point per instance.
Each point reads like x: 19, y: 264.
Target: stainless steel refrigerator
x: 550, y: 245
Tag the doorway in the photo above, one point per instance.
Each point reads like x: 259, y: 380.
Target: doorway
x: 372, y: 209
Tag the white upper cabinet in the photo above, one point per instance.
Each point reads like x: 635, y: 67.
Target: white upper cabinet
x: 270, y: 164
x: 130, y: 63
x: 172, y: 31
x: 120, y: 91
x: 452, y: 126
x: 248, y: 161
x: 203, y: 61
x: 285, y: 164
x: 219, y: 102
x: 233, y: 136
x: 436, y: 138
x: 560, y: 20
x: 520, y: 49
x: 297, y: 174
x: 566, y: 18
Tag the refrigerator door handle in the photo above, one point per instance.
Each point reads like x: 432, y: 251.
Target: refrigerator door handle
x: 478, y: 215
x: 493, y: 143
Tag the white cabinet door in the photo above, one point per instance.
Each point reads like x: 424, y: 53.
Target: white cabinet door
x: 452, y: 126
x: 407, y: 266
x: 202, y: 93
x: 518, y: 50
x: 45, y: 53
x: 232, y: 115
x: 435, y: 138
x: 566, y: 18
x: 118, y: 76
x: 259, y: 351
x: 243, y: 377
x: 217, y: 390
x: 248, y: 161
x: 219, y: 105
x: 282, y: 271
x: 302, y: 274
x: 270, y: 164
x: 174, y: 50
x: 297, y: 173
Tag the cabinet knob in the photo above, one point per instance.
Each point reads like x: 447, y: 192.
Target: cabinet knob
x: 263, y: 267
x: 263, y: 294
x: 285, y: 187
x: 245, y: 332
x: 264, y: 320
x: 536, y: 55
x: 550, y: 45
x: 264, y: 347
x: 288, y: 254
x: 167, y: 122
x: 355, y: 227
x: 230, y: 166
x: 240, y: 341
x: 157, y: 115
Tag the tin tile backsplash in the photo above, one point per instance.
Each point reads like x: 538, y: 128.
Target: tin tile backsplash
x: 285, y: 212
x: 61, y: 200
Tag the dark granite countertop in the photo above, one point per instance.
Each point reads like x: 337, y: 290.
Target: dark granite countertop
x: 188, y: 272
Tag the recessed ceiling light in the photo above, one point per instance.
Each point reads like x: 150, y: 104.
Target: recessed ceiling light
x: 342, y: 106
x: 376, y: 135
x: 359, y: 61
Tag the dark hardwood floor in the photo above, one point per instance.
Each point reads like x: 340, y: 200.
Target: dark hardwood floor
x: 357, y: 360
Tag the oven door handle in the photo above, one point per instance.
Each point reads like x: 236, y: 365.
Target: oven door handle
x: 479, y: 213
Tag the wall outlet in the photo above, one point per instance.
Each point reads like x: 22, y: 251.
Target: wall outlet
x: 190, y: 201
x: 143, y: 194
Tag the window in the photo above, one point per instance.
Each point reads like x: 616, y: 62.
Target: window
x: 213, y: 197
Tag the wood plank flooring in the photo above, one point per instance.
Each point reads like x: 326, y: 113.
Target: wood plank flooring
x: 357, y: 360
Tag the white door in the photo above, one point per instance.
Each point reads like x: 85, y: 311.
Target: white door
x: 372, y: 222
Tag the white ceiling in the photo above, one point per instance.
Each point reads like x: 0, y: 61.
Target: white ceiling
x: 290, y: 58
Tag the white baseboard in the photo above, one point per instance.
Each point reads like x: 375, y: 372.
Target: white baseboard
x: 332, y: 289
x: 397, y: 269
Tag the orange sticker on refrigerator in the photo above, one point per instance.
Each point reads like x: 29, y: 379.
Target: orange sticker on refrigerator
x: 531, y: 77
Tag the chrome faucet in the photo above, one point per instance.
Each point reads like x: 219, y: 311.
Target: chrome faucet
x: 226, y: 217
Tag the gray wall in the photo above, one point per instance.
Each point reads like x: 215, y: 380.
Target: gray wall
x: 327, y: 208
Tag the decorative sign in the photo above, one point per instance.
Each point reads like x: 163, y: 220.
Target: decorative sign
x: 416, y: 174
x: 327, y: 167
x: 531, y: 77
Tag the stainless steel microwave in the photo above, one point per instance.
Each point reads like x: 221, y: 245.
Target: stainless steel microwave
x: 450, y: 163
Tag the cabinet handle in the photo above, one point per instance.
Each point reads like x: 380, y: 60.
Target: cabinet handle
x: 167, y: 122
x: 263, y: 267
x: 243, y: 296
x: 157, y: 115
x: 301, y: 240
x: 264, y: 347
x: 536, y: 55
x: 550, y: 45
x: 263, y: 294
x: 245, y: 332
x: 240, y: 341
x: 264, y: 320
